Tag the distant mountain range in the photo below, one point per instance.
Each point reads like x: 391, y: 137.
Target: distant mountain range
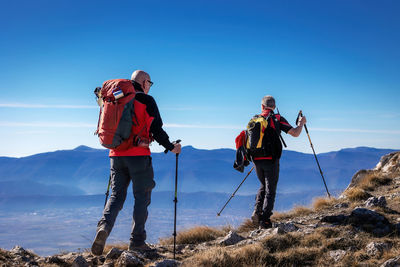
x: 85, y: 170
x: 59, y: 196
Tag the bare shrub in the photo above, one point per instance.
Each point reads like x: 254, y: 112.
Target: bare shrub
x: 312, y: 240
x: 328, y: 232
x: 373, y: 180
x: 253, y: 255
x: 279, y: 216
x: 213, y: 256
x: 247, y: 226
x: 356, y: 194
x: 321, y: 203
x: 301, y: 211
x: 298, y: 257
x: 276, y: 243
x: 249, y: 255
x: 297, y: 211
x: 195, y: 235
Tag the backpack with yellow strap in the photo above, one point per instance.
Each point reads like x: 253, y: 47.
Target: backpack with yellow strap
x: 263, y: 138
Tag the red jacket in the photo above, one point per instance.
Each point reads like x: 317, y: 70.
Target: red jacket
x: 146, y: 114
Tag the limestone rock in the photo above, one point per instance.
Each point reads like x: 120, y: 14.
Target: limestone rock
x: 335, y: 219
x: 389, y: 163
x: 254, y: 233
x: 128, y: 259
x: 377, y: 248
x: 114, y: 253
x: 231, y: 239
x: 278, y: 231
x: 395, y: 262
x: 80, y: 262
x: 341, y: 205
x: 337, y: 255
x: 370, y: 221
x: 23, y: 255
x: 55, y: 260
x: 18, y: 250
x: 287, y: 227
x: 375, y: 201
x: 167, y: 263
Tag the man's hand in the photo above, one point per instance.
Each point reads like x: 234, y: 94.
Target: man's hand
x: 302, y: 121
x: 177, y: 149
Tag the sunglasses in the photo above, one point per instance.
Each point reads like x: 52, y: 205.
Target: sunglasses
x: 150, y: 82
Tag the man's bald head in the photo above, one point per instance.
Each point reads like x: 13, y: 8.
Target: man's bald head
x: 140, y: 76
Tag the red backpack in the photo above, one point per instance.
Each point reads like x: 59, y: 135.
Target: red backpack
x: 117, y: 111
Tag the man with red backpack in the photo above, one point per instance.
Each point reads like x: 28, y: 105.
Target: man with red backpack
x: 264, y: 148
x: 130, y: 158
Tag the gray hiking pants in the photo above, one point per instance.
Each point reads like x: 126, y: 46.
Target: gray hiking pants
x: 139, y: 170
x: 268, y: 174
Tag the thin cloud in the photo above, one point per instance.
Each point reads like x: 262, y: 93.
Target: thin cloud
x: 179, y: 109
x: 355, y: 130
x: 48, y: 124
x: 22, y: 105
x: 200, y: 126
x: 176, y: 125
x: 34, y: 132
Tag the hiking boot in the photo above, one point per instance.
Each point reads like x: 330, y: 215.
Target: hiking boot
x: 255, y: 217
x: 99, y: 242
x: 266, y: 224
x: 144, y: 247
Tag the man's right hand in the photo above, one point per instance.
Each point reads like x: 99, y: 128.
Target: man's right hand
x: 177, y: 149
x: 302, y: 121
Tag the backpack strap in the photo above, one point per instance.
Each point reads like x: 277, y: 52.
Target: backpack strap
x: 278, y: 117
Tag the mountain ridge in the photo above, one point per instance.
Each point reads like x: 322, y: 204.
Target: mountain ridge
x: 87, y: 169
x: 360, y: 228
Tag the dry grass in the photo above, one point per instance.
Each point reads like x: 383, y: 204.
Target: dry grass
x: 213, y: 256
x: 253, y: 255
x: 297, y: 211
x: 249, y: 255
x: 298, y: 249
x: 276, y: 243
x: 356, y: 194
x: 4, y: 255
x: 312, y: 240
x: 322, y: 203
x: 247, y: 226
x: 298, y: 257
x: 373, y: 180
x: 196, y: 235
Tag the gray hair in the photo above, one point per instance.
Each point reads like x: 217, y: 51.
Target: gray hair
x: 268, y: 101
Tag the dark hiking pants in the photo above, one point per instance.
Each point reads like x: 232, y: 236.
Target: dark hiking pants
x: 268, y: 174
x: 139, y: 170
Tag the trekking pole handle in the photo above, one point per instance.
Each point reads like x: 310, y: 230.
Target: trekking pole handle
x: 300, y: 115
x: 175, y: 142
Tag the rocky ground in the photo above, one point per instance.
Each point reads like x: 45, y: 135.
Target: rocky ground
x: 360, y: 228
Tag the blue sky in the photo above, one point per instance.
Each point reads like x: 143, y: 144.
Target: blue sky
x: 211, y: 62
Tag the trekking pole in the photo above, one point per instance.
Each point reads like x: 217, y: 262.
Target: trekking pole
x: 175, y: 200
x: 176, y: 193
x: 219, y: 213
x: 316, y: 159
x: 108, y: 190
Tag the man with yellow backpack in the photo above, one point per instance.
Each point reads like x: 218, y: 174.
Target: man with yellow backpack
x: 263, y: 146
